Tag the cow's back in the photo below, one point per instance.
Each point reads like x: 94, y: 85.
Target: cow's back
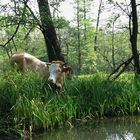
x: 24, y: 61
x: 17, y: 61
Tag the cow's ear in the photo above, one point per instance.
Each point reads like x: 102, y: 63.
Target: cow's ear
x: 64, y: 64
x: 66, y: 69
x: 48, y: 64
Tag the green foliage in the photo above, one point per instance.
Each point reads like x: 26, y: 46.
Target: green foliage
x: 30, y: 39
x: 60, y: 23
x: 29, y: 101
x: 33, y: 105
x: 101, y: 97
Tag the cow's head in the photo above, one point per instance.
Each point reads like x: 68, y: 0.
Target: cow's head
x: 57, y: 73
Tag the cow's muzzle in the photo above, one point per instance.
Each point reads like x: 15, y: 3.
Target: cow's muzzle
x: 54, y: 85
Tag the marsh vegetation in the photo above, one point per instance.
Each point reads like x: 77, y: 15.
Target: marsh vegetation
x: 31, y: 105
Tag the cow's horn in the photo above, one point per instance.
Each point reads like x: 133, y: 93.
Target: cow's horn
x: 64, y: 64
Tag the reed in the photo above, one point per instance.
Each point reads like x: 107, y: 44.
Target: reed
x: 32, y: 105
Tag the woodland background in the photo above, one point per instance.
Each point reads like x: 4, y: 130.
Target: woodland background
x: 88, y: 43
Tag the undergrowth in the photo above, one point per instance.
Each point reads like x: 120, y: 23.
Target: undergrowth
x: 32, y: 105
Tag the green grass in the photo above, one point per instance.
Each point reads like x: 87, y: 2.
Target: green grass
x: 29, y: 102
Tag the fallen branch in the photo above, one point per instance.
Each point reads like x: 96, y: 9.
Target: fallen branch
x: 125, y: 64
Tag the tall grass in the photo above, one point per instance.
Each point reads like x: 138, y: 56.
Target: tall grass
x: 32, y: 105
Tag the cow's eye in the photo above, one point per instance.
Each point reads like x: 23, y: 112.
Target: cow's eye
x: 59, y: 71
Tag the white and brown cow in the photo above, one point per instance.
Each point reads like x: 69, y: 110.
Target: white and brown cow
x: 23, y: 61
x: 56, y: 71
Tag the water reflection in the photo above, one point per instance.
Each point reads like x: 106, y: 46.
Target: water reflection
x: 108, y: 129
x: 128, y: 136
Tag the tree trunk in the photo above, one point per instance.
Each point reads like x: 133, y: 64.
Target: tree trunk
x: 78, y: 38
x: 133, y: 37
x: 48, y: 30
x: 97, y: 26
x: 85, y: 17
x: 113, y: 47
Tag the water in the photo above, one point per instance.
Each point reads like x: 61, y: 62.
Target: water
x: 107, y: 129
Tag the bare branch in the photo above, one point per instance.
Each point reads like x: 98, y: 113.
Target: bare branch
x: 105, y: 58
x: 11, y: 38
x: 36, y: 19
x: 124, y: 65
x: 122, y: 9
x: 138, y: 4
x: 27, y: 34
x: 14, y: 44
x: 16, y: 30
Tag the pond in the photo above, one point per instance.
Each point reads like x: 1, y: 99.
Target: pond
x: 124, y: 128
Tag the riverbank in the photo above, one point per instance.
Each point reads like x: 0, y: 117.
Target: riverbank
x: 31, y: 106
x: 120, y: 128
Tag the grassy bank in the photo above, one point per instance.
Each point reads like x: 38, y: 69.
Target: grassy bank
x: 30, y: 105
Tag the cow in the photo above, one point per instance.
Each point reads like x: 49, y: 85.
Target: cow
x: 56, y: 71
x: 23, y: 61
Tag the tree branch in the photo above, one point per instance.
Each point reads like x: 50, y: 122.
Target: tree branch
x: 36, y: 19
x: 105, y: 58
x: 15, y: 32
x: 27, y: 34
x: 138, y: 4
x: 122, y: 8
x: 11, y: 38
x: 126, y: 63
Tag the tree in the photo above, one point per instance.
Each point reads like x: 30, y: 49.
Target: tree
x: 85, y: 17
x: 48, y: 30
x: 22, y: 17
x: 133, y: 32
x: 78, y: 35
x: 133, y: 37
x: 112, y: 40
x: 97, y: 25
